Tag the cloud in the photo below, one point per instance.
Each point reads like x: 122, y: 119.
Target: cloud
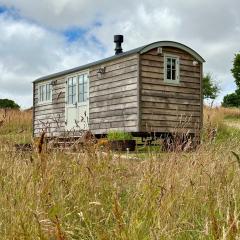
x: 41, y: 37
x: 29, y: 51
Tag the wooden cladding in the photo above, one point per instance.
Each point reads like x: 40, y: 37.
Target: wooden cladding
x: 113, y: 96
x: 165, y: 106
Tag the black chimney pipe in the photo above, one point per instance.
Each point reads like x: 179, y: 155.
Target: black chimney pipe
x: 118, y: 39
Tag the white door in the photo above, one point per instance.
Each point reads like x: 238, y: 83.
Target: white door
x: 77, y: 102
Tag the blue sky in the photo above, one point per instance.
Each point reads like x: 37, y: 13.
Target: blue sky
x: 42, y: 37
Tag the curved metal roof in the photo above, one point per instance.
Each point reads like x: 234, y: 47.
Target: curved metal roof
x: 139, y: 50
x: 146, y: 48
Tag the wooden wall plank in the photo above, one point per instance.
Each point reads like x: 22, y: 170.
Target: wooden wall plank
x: 113, y: 90
x: 111, y: 85
x: 113, y: 79
x: 170, y: 88
x: 170, y: 106
x: 170, y: 100
x: 183, y: 84
x: 117, y: 66
x: 109, y: 113
x: 171, y: 112
x: 107, y: 101
x: 121, y: 107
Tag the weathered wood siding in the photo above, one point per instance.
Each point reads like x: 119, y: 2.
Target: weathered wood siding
x: 113, y: 97
x: 165, y: 106
x: 50, y: 116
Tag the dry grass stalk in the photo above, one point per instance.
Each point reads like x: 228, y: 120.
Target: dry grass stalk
x: 157, y: 195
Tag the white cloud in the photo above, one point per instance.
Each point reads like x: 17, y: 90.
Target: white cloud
x: 29, y: 51
x: 34, y: 45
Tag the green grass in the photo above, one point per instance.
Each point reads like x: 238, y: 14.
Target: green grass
x: 119, y: 135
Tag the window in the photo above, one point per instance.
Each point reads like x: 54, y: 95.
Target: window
x: 45, y: 92
x: 72, y: 85
x: 171, y: 69
x: 83, y: 88
x: 77, y: 89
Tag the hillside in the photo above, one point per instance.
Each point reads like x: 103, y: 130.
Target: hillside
x: 93, y: 194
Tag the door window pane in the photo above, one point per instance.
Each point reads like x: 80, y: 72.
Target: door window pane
x: 83, y: 88
x: 72, y: 90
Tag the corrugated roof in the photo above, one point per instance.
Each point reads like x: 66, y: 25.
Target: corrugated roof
x: 140, y: 50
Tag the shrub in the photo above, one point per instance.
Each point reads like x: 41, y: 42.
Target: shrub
x: 119, y: 135
x: 6, y: 103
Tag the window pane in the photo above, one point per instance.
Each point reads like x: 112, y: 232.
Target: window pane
x: 85, y: 78
x: 74, y: 81
x: 173, y: 74
x: 168, y: 62
x: 69, y: 99
x: 40, y: 93
x: 85, y: 96
x: 69, y: 81
x: 81, y: 97
x: 48, y: 92
x: 80, y: 88
x: 80, y: 79
x: 169, y: 74
x: 69, y: 91
x: 44, y: 92
x: 74, y: 94
x: 173, y: 63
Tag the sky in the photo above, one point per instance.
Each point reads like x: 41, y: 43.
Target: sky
x: 42, y: 37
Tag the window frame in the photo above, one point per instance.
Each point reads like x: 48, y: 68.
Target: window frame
x: 73, y: 87
x: 85, y: 85
x: 77, y: 75
x: 40, y: 96
x: 170, y: 81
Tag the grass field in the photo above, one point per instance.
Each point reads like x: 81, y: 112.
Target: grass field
x: 100, y: 195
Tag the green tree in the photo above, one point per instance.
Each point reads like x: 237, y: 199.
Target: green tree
x: 233, y: 99
x: 210, y: 88
x: 7, y: 103
x: 236, y: 69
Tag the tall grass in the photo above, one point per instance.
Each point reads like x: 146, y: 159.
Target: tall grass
x: 100, y: 195
x: 15, y: 126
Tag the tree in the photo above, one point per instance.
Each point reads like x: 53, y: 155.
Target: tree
x: 7, y: 103
x: 210, y: 88
x: 233, y: 99
x: 236, y: 69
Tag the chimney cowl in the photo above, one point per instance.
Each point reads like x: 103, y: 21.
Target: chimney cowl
x: 118, y: 39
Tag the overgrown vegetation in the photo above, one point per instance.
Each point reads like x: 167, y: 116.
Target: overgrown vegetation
x: 119, y: 135
x: 95, y: 194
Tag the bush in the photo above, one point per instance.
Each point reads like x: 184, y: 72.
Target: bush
x: 232, y: 99
x: 6, y: 103
x: 119, y: 135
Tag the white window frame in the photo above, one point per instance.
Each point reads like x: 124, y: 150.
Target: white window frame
x: 77, y: 75
x: 177, y: 80
x: 40, y: 101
